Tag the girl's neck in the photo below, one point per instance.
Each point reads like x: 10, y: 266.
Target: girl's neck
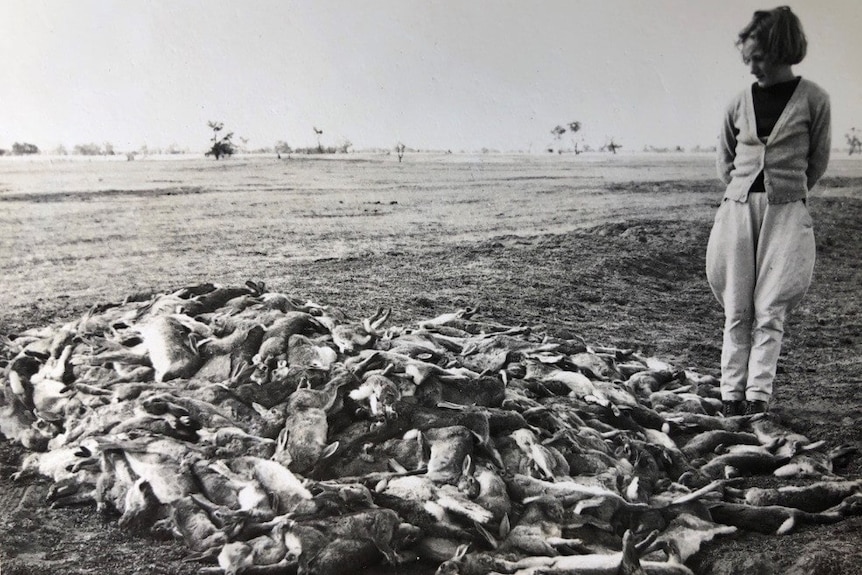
x: 782, y: 74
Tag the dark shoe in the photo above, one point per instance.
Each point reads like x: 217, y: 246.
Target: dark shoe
x: 756, y: 406
x: 732, y: 408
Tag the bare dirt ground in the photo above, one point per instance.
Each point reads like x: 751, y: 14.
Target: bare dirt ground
x: 612, y: 253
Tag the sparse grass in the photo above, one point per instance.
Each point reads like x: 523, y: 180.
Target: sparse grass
x: 627, y: 272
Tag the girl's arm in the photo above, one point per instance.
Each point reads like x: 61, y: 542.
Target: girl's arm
x: 820, y: 143
x: 727, y: 145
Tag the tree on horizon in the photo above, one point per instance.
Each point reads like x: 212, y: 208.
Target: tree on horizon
x: 282, y: 147
x: 319, y: 133
x: 612, y: 146
x: 24, y: 149
x: 854, y: 142
x: 220, y: 146
x: 559, y: 130
x: 574, y: 128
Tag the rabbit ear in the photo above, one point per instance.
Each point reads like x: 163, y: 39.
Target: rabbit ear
x: 329, y: 450
x: 505, y: 526
x: 363, y: 340
x: 467, y: 465
x: 487, y: 535
x: 257, y: 288
x: 83, y: 451
x: 461, y: 552
x: 373, y: 324
x: 281, y: 442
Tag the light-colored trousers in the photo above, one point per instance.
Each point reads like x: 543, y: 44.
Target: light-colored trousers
x: 759, y: 263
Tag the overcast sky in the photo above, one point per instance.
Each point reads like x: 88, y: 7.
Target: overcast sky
x: 449, y: 74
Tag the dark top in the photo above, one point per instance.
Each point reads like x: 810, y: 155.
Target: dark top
x: 769, y: 102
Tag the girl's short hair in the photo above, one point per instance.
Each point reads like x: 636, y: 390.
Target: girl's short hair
x: 778, y: 32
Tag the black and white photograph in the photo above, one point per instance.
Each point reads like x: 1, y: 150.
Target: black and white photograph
x: 406, y: 287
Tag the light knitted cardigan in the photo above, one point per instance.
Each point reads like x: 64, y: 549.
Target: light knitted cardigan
x: 794, y: 156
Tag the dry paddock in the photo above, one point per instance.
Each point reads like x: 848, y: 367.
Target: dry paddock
x: 609, y: 248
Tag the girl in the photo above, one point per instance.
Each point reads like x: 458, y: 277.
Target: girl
x: 774, y: 146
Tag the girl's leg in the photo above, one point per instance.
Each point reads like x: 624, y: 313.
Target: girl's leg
x: 730, y: 270
x: 785, y: 264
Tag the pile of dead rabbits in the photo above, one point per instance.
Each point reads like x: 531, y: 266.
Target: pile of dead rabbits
x: 272, y: 435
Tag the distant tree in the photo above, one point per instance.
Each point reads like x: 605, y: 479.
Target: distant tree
x: 60, y: 151
x: 345, y: 146
x: 2, y: 152
x: 612, y: 146
x: 573, y: 128
x: 558, y: 132
x: 108, y: 149
x: 319, y: 133
x: 221, y: 146
x: 399, y: 149
x: 87, y: 150
x: 282, y: 147
x: 24, y: 149
x: 660, y: 150
x: 854, y: 142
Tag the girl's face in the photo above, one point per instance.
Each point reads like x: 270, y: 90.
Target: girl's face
x: 763, y: 68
